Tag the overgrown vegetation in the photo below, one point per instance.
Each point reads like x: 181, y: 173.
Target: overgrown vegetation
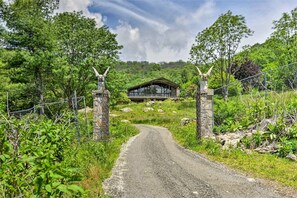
x: 41, y: 158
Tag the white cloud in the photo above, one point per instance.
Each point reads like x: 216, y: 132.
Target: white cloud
x: 156, y: 40
x: 126, y: 9
x: 129, y: 37
x: 165, y: 30
x: 80, y: 5
x: 206, y: 9
x: 152, y: 45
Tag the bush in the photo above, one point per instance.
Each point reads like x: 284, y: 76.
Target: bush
x: 31, y: 154
x: 286, y: 147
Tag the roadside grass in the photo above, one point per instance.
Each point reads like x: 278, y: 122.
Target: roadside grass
x: 95, y: 160
x: 266, y: 166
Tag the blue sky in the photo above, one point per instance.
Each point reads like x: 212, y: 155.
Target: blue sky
x: 164, y: 30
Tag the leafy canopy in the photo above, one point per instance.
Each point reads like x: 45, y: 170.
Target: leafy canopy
x: 218, y: 44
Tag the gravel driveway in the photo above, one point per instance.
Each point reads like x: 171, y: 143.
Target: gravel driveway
x: 151, y: 164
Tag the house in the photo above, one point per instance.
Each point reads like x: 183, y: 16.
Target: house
x: 157, y: 89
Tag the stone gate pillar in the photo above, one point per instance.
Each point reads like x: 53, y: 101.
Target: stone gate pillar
x: 204, y: 111
x: 204, y: 107
x: 101, y: 109
x: 101, y: 115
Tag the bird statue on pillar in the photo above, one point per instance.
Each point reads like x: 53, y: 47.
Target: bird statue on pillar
x: 204, y: 77
x: 101, y: 78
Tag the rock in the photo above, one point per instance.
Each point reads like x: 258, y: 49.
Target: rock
x: 271, y: 148
x: 87, y: 109
x: 230, y: 139
x: 248, y: 151
x: 126, y: 109
x: 231, y: 143
x: 251, y: 179
x: 292, y: 157
x: 160, y: 110
x: 147, y: 109
x: 125, y: 121
x: 185, y: 121
x: 264, y: 124
x: 249, y: 134
x: 251, y: 127
x: 150, y: 103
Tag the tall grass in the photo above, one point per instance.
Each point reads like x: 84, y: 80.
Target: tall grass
x: 95, y: 160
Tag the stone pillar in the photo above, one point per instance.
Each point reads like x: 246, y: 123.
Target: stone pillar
x: 101, y: 114
x: 204, y: 111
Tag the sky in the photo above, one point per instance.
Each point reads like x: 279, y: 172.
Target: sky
x: 164, y: 30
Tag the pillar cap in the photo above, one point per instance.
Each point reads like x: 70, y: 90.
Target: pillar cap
x: 95, y: 92
x: 210, y: 92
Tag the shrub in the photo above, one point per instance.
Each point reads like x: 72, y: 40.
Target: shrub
x: 31, y: 155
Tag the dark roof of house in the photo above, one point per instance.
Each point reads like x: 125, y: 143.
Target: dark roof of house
x: 157, y: 80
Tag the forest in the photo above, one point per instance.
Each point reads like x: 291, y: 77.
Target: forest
x: 47, y: 56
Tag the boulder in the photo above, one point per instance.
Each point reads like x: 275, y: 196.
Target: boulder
x: 230, y: 139
x: 147, y: 109
x: 185, y: 121
x: 87, y: 110
x: 126, y: 110
x: 160, y: 110
x: 292, y: 157
x: 263, y: 126
x: 271, y: 148
x: 150, y: 103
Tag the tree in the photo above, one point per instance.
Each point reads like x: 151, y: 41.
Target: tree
x: 218, y: 44
x: 285, y: 32
x: 81, y: 46
x: 244, y: 70
x: 285, y: 35
x: 30, y: 35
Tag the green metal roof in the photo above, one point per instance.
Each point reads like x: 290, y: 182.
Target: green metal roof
x: 157, y: 80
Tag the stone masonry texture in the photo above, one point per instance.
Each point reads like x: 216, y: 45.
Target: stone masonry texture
x: 101, y: 115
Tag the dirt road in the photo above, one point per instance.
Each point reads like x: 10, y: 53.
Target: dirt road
x: 153, y: 165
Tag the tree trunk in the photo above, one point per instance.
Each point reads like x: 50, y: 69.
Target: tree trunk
x: 39, y: 85
x: 225, y: 92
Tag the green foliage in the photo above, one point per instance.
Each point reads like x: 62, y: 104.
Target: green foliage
x: 293, y: 132
x: 257, y: 138
x: 218, y: 43
x: 277, y: 129
x: 30, y: 34
x: 94, y: 160
x: 234, y: 88
x: 229, y: 115
x: 81, y: 46
x: 285, y: 32
x: 286, y: 147
x: 42, y: 158
x: 49, y: 56
x: 32, y: 151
